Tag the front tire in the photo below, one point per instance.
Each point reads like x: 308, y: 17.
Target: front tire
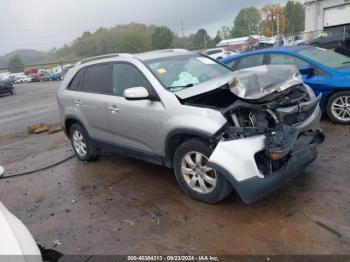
x: 82, y: 144
x: 195, y: 178
x: 338, y: 107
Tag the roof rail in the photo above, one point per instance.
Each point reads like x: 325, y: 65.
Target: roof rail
x: 90, y: 59
x: 170, y: 50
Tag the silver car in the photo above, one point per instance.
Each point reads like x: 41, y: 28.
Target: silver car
x: 251, y: 131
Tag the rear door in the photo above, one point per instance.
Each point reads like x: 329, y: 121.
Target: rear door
x: 92, y: 101
x: 134, y: 123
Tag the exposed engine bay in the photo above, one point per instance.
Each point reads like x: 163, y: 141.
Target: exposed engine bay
x: 258, y: 103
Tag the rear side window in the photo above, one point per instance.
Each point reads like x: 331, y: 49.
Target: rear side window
x: 282, y: 59
x: 126, y: 76
x: 251, y: 61
x: 76, y: 83
x: 96, y: 79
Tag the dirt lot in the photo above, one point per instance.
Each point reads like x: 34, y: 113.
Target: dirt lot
x: 124, y: 206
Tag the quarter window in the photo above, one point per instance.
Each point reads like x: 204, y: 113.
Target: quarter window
x: 77, y: 81
x: 96, y: 79
x: 281, y: 59
x: 251, y: 61
x: 126, y: 76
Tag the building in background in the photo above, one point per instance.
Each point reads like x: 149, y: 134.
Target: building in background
x: 324, y: 14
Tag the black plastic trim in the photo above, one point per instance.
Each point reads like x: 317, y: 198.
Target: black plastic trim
x: 129, y: 152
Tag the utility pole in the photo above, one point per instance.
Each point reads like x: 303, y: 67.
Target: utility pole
x: 183, y: 34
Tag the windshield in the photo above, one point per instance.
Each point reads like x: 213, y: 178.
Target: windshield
x: 326, y: 57
x: 183, y: 71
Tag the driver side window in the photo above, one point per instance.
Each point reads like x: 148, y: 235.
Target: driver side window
x: 126, y: 76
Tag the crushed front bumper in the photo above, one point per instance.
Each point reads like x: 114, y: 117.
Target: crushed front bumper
x: 236, y: 161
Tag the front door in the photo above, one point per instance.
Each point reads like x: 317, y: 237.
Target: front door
x: 136, y: 124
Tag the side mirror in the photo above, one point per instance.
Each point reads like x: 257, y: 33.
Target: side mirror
x: 136, y: 93
x: 307, y: 70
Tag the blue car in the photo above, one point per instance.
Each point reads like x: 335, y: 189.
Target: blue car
x: 325, y: 71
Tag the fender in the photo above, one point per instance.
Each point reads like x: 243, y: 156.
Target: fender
x: 186, y: 132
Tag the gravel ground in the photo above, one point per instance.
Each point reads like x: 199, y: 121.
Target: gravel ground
x: 120, y: 205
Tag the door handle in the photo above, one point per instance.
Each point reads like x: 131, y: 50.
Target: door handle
x: 113, y: 108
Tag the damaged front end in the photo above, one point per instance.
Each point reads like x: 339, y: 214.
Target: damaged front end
x: 272, y: 129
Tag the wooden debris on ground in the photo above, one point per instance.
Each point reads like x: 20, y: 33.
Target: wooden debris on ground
x: 31, y: 128
x: 42, y: 128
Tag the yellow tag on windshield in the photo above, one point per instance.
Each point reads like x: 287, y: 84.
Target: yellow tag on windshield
x: 161, y: 70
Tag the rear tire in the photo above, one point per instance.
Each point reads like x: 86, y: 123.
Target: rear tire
x: 338, y: 107
x: 195, y: 178
x: 82, y: 144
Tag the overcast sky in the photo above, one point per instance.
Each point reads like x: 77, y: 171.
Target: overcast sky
x: 44, y: 24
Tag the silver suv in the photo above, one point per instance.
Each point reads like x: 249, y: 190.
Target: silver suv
x: 251, y: 130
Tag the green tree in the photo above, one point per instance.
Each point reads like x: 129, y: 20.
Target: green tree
x: 132, y: 42
x: 246, y: 22
x: 162, y: 38
x: 225, y: 32
x: 295, y: 17
x: 217, y: 39
x: 200, y: 39
x: 15, y: 64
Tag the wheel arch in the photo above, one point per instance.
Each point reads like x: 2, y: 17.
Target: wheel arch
x: 68, y: 122
x: 176, y: 137
x: 330, y: 94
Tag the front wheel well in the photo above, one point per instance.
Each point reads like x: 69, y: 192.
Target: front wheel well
x: 68, y: 124
x: 329, y: 95
x: 174, y: 141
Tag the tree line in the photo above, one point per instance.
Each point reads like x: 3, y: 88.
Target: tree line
x: 135, y: 38
x: 269, y: 20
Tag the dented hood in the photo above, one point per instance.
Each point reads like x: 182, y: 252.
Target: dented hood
x: 251, y: 83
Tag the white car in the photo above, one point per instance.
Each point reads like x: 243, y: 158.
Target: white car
x: 15, y: 239
x: 25, y: 79
x: 218, y: 53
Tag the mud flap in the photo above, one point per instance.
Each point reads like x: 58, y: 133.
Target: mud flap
x: 237, y: 157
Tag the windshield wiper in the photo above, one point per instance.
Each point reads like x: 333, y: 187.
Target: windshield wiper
x: 346, y: 62
x: 179, y: 87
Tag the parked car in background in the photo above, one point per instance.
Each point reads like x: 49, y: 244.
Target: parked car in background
x: 54, y: 77
x: 6, y: 88
x: 218, y: 53
x: 23, y: 79
x: 37, y: 78
x: 331, y: 38
x: 219, y: 130
x: 326, y: 72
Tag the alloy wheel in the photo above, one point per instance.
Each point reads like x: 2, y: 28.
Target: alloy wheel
x: 79, y: 143
x: 341, y: 108
x: 198, y: 176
